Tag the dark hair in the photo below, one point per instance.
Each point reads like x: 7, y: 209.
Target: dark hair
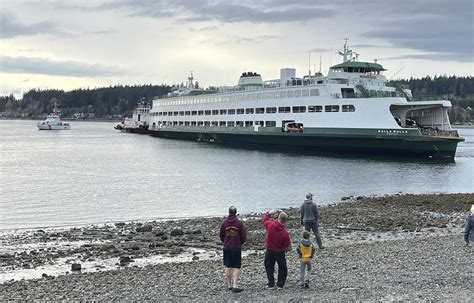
x: 232, y: 210
x: 306, y: 235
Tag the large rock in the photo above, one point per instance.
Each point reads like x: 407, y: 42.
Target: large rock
x: 177, y: 232
x: 144, y: 228
x: 76, y: 267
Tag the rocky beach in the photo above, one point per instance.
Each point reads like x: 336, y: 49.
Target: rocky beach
x: 399, y: 247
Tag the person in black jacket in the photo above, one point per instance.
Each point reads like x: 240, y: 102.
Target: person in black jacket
x: 469, y: 229
x: 310, y: 216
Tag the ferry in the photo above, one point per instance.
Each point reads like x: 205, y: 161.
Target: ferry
x: 350, y: 110
x: 139, y: 122
x: 53, y: 121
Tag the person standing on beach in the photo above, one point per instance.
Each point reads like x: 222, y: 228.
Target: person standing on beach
x: 310, y: 217
x: 305, y: 251
x: 469, y: 229
x: 233, y: 234
x: 277, y: 242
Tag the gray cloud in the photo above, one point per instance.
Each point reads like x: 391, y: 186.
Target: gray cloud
x: 10, y: 27
x: 45, y: 66
x: 443, y: 30
x: 224, y: 11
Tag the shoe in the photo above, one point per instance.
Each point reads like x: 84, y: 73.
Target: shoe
x: 306, y: 284
x: 302, y: 286
x: 237, y: 289
x: 230, y: 288
x: 270, y: 287
x: 279, y: 288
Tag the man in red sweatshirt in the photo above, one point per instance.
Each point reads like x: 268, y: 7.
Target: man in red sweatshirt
x: 277, y: 242
x: 233, y: 234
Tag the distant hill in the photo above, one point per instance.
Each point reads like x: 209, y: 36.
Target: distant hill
x: 102, y: 103
x: 115, y: 102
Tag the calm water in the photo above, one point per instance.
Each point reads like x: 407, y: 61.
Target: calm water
x: 95, y: 174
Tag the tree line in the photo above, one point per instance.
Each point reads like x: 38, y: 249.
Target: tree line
x: 117, y: 101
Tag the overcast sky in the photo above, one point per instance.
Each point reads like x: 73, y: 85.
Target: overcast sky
x: 92, y: 43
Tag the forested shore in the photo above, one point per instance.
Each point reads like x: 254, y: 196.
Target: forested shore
x: 115, y: 102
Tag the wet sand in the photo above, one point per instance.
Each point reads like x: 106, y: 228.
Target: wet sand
x: 378, y: 248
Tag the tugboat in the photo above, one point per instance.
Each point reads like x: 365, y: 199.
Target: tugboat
x: 53, y: 121
x: 139, y: 122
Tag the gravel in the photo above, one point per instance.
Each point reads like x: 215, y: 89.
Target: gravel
x: 390, y: 248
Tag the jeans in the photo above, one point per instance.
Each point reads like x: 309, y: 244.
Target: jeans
x: 305, y: 272
x: 270, y: 258
x: 314, y: 226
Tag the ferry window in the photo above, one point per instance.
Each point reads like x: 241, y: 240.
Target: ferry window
x: 193, y: 123
x: 181, y: 123
x: 305, y: 92
x: 297, y: 93
x: 207, y: 112
x: 289, y: 94
x: 193, y: 113
x: 348, y: 108
x: 170, y: 113
x: 249, y: 97
x: 240, y: 111
x: 239, y: 123
x: 187, y: 113
x: 200, y: 112
x: 264, y: 95
x: 181, y: 113
x: 223, y: 111
x: 270, y: 123
x: 261, y: 123
x: 249, y: 110
x: 259, y: 96
x: 314, y: 92
x: 248, y: 123
x: 277, y: 95
x: 270, y: 95
x: 215, y: 123
x: 186, y: 123
x: 254, y: 96
x: 299, y: 109
x: 200, y: 123
x: 394, y: 94
x: 373, y: 93
x: 331, y: 108
x: 386, y: 93
x: 207, y: 123
x: 271, y: 110
x: 163, y: 113
x: 282, y: 94
x: 230, y: 123
x: 315, y: 109
x: 175, y: 113
x: 285, y: 109
x: 347, y: 93
x: 379, y: 93
x: 260, y: 110
x: 175, y: 123
x: 231, y: 111
x: 221, y: 123
x: 215, y: 112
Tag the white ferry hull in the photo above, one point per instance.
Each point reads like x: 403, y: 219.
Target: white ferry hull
x: 53, y: 127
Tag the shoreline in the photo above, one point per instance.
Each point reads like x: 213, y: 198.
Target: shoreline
x: 399, y: 230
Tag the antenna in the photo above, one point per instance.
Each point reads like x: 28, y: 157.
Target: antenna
x: 396, y: 73
x: 309, y: 63
x: 320, y: 64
